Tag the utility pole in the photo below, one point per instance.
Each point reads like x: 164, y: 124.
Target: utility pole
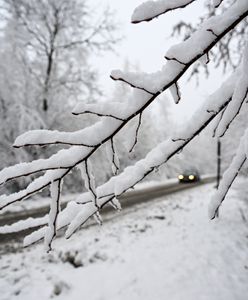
x: 218, y: 168
x: 218, y: 163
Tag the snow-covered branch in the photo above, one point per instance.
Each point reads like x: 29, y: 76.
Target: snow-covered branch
x: 89, y: 180
x: 70, y: 157
x: 76, y: 214
x: 55, y: 190
x: 240, y: 96
x: 115, y: 109
x: 113, y: 157
x: 180, y: 57
x: 224, y: 103
x: 35, y: 186
x: 153, y: 9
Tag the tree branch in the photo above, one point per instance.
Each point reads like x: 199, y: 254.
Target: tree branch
x: 152, y: 9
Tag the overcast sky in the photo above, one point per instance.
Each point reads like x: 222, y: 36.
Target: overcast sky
x: 145, y: 44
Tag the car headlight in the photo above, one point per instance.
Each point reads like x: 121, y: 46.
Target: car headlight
x: 180, y: 177
x: 191, y: 177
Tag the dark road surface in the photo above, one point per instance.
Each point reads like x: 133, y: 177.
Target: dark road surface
x: 130, y: 198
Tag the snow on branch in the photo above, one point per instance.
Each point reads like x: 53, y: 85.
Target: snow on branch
x: 152, y: 9
x: 111, y: 152
x: 181, y: 56
x: 210, y: 32
x: 75, y: 215
x: 64, y: 218
x: 147, y: 87
x: 51, y: 230
x: 116, y: 204
x: 24, y: 225
x: 89, y: 180
x: 158, y: 156
x: 217, y: 122
x: 34, y: 187
x: 65, y: 159
x: 135, y: 80
x: 89, y: 134
x: 114, y: 110
x: 69, y: 157
x: 240, y: 95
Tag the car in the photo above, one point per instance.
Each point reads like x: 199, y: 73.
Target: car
x: 189, y: 176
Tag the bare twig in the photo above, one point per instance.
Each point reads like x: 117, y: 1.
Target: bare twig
x: 137, y: 132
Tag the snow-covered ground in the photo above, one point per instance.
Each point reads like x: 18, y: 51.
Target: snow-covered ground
x: 156, y: 251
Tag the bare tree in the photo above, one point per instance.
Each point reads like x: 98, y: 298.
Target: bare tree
x: 222, y: 106
x: 55, y: 39
x: 45, y: 50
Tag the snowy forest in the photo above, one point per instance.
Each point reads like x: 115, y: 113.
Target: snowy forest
x: 157, y: 155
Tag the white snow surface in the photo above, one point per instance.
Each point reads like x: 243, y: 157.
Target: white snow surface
x: 167, y: 249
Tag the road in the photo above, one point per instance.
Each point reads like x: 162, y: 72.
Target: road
x: 130, y: 198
